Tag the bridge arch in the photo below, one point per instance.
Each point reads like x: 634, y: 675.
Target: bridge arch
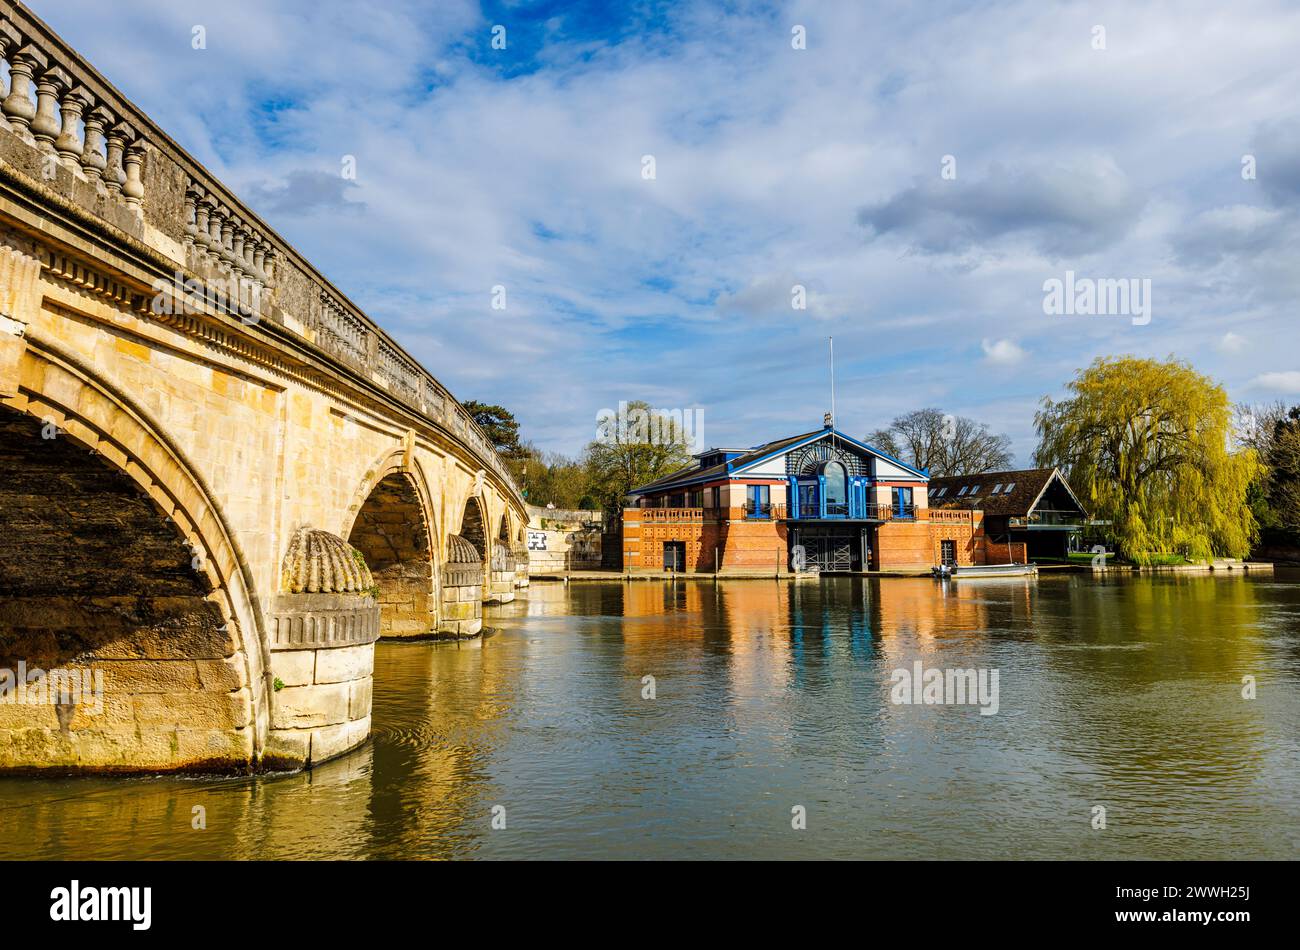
x: 395, y: 530
x: 474, y: 526
x: 117, y: 565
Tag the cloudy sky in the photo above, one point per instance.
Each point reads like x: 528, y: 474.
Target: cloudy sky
x: 921, y: 169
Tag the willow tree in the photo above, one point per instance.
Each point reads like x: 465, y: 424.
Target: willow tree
x: 1148, y: 444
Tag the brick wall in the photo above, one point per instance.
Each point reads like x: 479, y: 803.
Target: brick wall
x: 996, y: 552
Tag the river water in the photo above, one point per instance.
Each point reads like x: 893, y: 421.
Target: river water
x: 772, y: 700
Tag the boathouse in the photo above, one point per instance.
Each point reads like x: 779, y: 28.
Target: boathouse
x: 1035, y: 507
x: 821, y: 499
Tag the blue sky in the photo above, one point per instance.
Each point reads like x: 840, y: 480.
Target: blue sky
x: 775, y: 166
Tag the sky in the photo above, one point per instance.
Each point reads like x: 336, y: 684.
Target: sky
x: 921, y: 170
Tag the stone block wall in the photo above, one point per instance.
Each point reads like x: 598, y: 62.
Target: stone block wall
x: 501, y: 586
x: 322, y: 658
x: 462, y: 591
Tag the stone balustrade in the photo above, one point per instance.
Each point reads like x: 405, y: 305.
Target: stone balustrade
x: 103, y: 157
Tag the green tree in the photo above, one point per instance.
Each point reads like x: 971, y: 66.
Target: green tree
x: 1147, y: 443
x: 944, y: 443
x: 502, y: 429
x: 630, y: 451
x: 1282, y: 485
x: 550, y: 477
x: 499, y: 424
x: 1257, y: 425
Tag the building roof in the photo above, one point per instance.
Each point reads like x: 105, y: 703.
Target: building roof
x: 1027, y: 486
x: 694, y: 474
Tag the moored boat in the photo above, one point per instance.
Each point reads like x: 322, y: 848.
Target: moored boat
x: 986, y: 570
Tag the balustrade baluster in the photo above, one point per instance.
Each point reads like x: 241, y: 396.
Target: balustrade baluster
x: 133, y: 188
x: 192, y: 196
x: 93, y: 160
x: 216, y: 215
x: 114, y: 173
x: 45, y: 124
x: 226, y: 245
x: 69, y: 144
x: 203, y: 224
x: 18, y: 105
x: 10, y: 40
x: 237, y: 248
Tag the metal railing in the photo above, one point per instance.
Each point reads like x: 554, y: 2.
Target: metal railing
x: 1049, y: 518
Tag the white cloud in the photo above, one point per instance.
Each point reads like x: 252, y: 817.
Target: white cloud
x: 1283, y: 382
x: 1120, y: 163
x: 1002, y: 352
x: 1231, y: 343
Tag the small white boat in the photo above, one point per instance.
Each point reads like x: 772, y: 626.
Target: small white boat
x: 986, y: 570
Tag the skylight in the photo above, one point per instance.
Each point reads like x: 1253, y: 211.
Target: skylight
x: 963, y: 490
x: 1010, y: 485
x: 996, y: 488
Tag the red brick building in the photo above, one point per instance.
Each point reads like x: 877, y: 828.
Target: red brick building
x: 821, y: 498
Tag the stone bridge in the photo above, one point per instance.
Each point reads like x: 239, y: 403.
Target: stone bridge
x: 220, y: 481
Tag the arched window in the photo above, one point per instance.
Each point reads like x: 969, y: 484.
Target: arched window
x: 837, y: 488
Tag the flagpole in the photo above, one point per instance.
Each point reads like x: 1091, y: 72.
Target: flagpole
x: 832, y: 340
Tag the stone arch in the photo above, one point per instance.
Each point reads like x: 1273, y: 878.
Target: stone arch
x: 117, y: 565
x: 500, y: 586
x: 473, y: 526
x: 394, y: 531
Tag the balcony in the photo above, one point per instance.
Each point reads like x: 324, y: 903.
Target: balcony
x: 841, y: 512
x: 1049, y: 518
x: 762, y: 511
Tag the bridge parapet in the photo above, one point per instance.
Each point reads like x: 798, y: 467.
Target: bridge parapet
x: 77, y: 143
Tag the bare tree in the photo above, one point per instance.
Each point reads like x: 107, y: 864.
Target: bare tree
x: 1254, y: 424
x: 944, y: 443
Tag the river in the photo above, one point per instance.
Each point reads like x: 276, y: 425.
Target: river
x: 772, y: 702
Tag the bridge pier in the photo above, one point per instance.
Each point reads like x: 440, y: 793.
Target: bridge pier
x: 462, y: 590
x: 322, y: 641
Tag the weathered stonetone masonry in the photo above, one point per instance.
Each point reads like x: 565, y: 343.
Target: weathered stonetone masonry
x: 220, y: 481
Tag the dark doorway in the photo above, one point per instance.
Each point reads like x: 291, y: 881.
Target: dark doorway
x: 948, y: 553
x: 674, y: 555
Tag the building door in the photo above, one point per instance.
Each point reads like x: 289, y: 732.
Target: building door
x: 829, y: 552
x: 948, y: 553
x: 808, y: 505
x: 674, y: 555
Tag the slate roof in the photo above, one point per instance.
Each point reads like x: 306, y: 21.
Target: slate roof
x: 693, y: 474
x: 1029, y: 485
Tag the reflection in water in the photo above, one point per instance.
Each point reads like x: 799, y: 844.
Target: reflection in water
x: 1120, y: 692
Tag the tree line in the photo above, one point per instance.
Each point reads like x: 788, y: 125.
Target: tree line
x: 1165, y: 464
